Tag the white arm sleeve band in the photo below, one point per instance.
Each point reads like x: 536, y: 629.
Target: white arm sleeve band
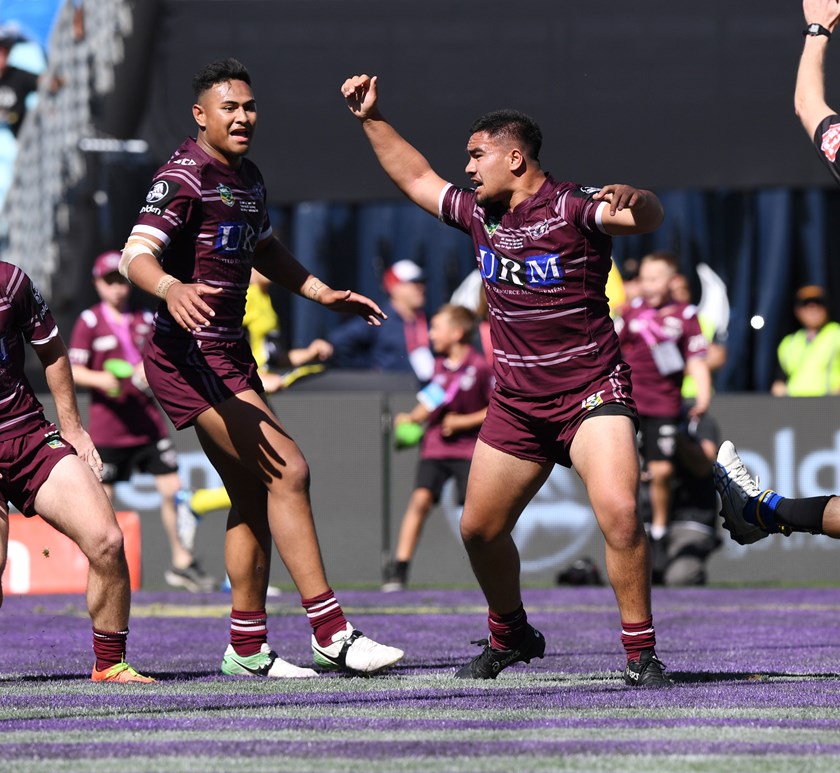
x: 137, y: 245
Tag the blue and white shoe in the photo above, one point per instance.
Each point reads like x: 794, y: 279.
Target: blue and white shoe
x: 739, y: 495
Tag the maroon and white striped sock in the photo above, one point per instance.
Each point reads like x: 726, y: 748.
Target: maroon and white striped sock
x: 325, y: 616
x: 248, y: 631
x: 637, y: 637
x: 109, y: 647
x: 507, y: 631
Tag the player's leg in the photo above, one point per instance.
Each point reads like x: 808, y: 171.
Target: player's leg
x: 419, y: 507
x: 88, y: 519
x: 499, y: 488
x: 431, y: 475
x: 248, y: 560
x: 660, y: 471
x: 750, y: 513
x: 604, y: 454
x: 185, y: 571
x: 168, y: 485
x: 417, y: 511
x: 245, y: 431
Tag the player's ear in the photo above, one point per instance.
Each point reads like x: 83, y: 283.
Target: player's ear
x: 198, y: 115
x: 516, y: 159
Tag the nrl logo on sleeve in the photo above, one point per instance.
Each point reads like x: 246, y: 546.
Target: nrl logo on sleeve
x: 831, y: 142
x: 225, y: 194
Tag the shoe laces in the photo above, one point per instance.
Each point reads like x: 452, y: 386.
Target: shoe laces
x: 739, y: 475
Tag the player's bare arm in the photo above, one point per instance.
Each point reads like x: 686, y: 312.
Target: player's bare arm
x: 274, y: 260
x: 630, y: 211
x: 402, y: 162
x: 56, y: 364
x: 809, y: 97
x: 140, y: 266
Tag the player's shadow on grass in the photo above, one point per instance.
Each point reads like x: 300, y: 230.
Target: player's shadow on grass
x: 701, y: 677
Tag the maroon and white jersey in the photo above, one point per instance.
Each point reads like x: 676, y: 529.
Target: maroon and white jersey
x: 545, y: 267
x: 210, y: 218
x: 656, y: 343
x: 130, y: 418
x: 464, y: 389
x: 24, y: 318
x: 827, y: 143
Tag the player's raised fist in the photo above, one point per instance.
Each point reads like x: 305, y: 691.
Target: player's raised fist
x: 359, y: 91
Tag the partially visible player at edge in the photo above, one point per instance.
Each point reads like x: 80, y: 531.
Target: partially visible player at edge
x: 563, y: 393
x: 39, y: 465
x: 202, y: 229
x: 750, y: 513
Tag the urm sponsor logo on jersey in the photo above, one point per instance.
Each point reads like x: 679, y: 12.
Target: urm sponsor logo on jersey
x: 236, y: 237
x: 535, y: 271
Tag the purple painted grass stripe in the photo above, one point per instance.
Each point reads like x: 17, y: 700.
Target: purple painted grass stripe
x: 375, y: 750
x: 328, y: 724
x: 758, y: 696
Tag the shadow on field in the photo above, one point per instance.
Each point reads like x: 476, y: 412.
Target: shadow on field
x: 689, y: 677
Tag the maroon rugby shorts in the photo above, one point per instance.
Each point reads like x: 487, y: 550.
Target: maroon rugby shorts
x: 541, y: 429
x: 189, y: 376
x: 27, y: 461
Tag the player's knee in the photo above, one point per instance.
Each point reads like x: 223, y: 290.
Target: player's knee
x: 475, y: 534
x: 620, y: 523
x: 297, y: 474
x: 107, y: 548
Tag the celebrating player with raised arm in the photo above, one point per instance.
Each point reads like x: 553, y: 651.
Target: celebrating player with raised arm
x: 202, y: 229
x: 563, y: 393
x: 750, y: 513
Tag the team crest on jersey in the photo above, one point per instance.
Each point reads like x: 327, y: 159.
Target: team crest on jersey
x: 538, y: 230
x: 589, y: 190
x: 593, y: 401
x: 226, y: 195
x: 831, y: 142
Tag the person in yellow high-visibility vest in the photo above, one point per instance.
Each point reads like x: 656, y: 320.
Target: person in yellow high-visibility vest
x: 809, y: 359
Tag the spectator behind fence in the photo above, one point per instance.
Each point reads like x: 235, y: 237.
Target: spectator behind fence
x: 401, y: 345
x: 809, y: 359
x: 716, y: 337
x: 17, y: 88
x: 692, y: 532
x: 125, y: 423
x: 452, y: 406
